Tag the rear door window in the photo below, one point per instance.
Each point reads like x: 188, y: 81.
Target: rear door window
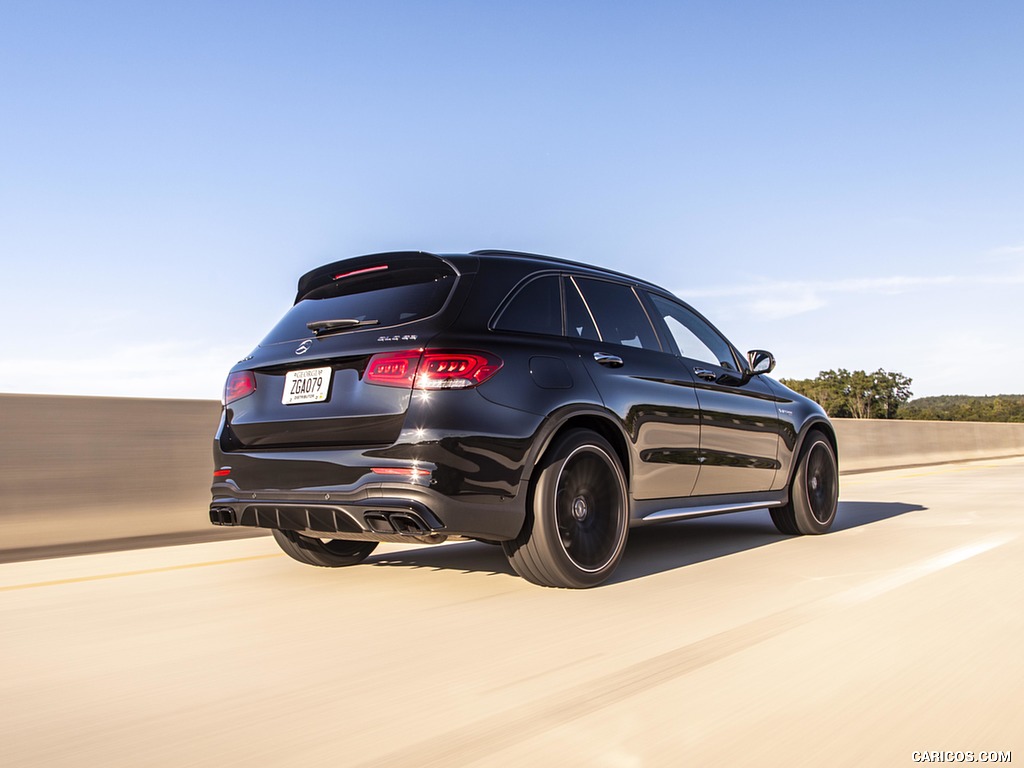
x: 617, y: 311
x: 579, y: 323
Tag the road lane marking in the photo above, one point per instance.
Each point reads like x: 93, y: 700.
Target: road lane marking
x: 868, y: 475
x: 950, y: 470
x: 487, y: 736
x: 165, y: 569
x: 915, y: 571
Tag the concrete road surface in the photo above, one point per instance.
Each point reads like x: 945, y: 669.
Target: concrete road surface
x: 719, y: 642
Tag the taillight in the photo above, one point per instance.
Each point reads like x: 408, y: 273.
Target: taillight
x: 432, y: 369
x: 393, y: 369
x: 239, y: 384
x: 455, y: 370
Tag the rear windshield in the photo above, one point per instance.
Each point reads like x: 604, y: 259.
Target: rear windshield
x: 402, y: 296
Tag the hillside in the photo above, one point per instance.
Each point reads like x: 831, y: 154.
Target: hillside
x: 965, y: 408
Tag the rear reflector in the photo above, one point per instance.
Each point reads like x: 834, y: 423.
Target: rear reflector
x: 222, y: 472
x: 239, y: 384
x: 432, y: 369
x: 410, y: 472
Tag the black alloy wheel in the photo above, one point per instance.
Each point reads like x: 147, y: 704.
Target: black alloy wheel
x: 588, y: 533
x: 821, y: 482
x: 580, y: 515
x: 814, y: 492
x: 327, y: 553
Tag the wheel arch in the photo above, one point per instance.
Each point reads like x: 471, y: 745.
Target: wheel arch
x: 820, y: 425
x: 596, y: 420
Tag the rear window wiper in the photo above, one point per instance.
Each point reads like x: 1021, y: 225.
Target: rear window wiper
x: 324, y: 327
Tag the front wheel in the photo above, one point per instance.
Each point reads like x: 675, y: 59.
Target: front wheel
x: 326, y: 553
x: 579, y: 515
x: 814, y: 493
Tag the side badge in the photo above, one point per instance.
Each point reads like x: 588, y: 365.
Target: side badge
x: 303, y: 348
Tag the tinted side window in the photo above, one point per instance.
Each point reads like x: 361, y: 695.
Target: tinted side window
x: 536, y: 308
x: 578, y: 322
x: 620, y: 317
x: 693, y: 337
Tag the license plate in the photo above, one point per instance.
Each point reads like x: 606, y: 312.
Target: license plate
x: 307, y: 386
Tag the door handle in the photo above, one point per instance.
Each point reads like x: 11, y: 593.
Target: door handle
x: 611, y: 361
x: 704, y: 373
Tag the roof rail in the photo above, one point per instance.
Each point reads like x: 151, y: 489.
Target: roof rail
x: 566, y: 262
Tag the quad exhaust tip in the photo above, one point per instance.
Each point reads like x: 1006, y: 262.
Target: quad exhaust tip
x: 405, y: 523
x: 222, y: 516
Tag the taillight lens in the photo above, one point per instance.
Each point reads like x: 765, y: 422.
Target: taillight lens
x: 393, y: 369
x: 432, y: 369
x: 455, y: 370
x: 239, y: 384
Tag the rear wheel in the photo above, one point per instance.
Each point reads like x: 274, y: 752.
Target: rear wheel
x: 327, y: 553
x: 579, y: 515
x: 814, y: 493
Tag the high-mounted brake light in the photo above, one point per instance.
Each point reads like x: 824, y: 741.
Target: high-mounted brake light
x: 363, y: 271
x: 239, y: 384
x: 432, y: 369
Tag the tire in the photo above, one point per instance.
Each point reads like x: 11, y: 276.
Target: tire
x: 578, y: 517
x: 814, y: 492
x: 326, y: 553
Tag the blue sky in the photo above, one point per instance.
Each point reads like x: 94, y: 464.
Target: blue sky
x: 840, y: 183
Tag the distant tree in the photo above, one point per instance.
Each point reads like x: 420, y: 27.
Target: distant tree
x: 893, y: 392
x: 833, y: 392
x: 857, y: 395
x: 860, y: 394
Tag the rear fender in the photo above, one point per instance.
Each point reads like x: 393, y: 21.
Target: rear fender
x: 582, y: 417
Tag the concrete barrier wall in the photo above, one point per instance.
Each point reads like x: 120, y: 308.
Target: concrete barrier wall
x: 88, y: 469
x: 76, y: 469
x: 870, y: 444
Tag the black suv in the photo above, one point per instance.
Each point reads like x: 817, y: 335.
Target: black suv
x: 510, y: 398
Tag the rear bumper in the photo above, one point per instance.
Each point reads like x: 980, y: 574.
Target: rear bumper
x: 448, y: 480
x: 380, y: 513
x: 387, y: 518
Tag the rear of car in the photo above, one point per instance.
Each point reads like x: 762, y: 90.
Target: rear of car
x: 310, y: 382
x: 341, y: 421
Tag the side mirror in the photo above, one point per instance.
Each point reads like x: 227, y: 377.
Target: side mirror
x: 761, y: 361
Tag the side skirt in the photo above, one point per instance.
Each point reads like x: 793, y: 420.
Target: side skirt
x: 650, y: 511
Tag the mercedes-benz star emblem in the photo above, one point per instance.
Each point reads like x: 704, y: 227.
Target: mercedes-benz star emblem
x: 303, y: 348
